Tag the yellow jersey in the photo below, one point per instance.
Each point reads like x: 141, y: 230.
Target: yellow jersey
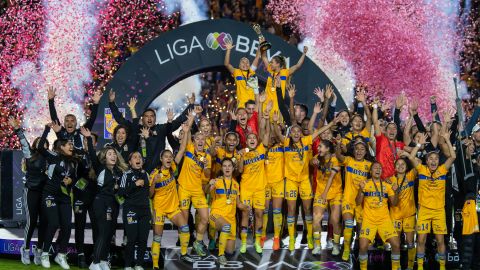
x: 375, y: 211
x: 221, y: 154
x: 406, y: 199
x: 355, y: 172
x: 253, y: 176
x: 165, y: 196
x: 431, y: 186
x: 270, y: 90
x: 225, y: 188
x: 194, y: 165
x: 275, y: 164
x: 244, y: 93
x: 351, y: 135
x: 297, y: 158
x: 323, y: 174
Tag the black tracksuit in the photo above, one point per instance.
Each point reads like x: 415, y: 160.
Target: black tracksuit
x: 105, y: 207
x: 56, y: 200
x: 35, y: 178
x: 136, y: 214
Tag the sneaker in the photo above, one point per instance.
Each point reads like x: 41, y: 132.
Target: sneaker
x: 199, y: 249
x: 105, y: 265
x: 317, y: 251
x: 45, y: 260
x: 81, y: 261
x: 211, y: 245
x: 61, y: 259
x: 187, y: 258
x: 222, y: 260
x: 262, y: 240
x: 243, y: 248
x: 310, y: 242
x: 25, y: 255
x: 336, y: 249
x: 138, y: 267
x: 276, y: 243
x: 291, y: 245
x: 94, y: 266
x: 258, y: 248
x: 346, y: 255
x: 329, y: 244
x: 37, y: 257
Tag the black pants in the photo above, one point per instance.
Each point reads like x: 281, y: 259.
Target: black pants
x: 59, y: 215
x: 83, y: 202
x: 105, y: 210
x: 471, y: 251
x: 137, y: 226
x: 32, y: 201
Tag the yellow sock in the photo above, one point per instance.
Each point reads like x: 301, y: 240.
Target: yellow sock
x: 396, y: 262
x: 222, y: 240
x: 441, y: 261
x: 184, y: 239
x: 157, y: 239
x: 291, y: 228
x: 277, y: 222
x: 420, y: 258
x: 243, y: 235
x: 363, y: 261
x: 316, y: 239
x: 309, y: 221
x: 347, y: 239
x: 258, y: 236
x: 411, y: 256
x: 336, y: 238
x: 265, y: 222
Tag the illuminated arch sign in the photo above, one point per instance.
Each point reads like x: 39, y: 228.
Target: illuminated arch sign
x: 197, y: 47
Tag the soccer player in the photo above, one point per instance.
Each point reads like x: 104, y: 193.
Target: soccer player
x: 375, y: 195
x: 297, y: 152
x: 356, y: 171
x: 226, y: 200
x: 403, y: 215
x: 359, y: 127
x: 431, y: 198
x: 253, y: 180
x: 327, y: 194
x: 196, y: 167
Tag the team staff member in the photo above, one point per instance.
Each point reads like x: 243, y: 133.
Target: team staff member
x: 356, y: 171
x: 403, y: 215
x: 195, y: 168
x: 375, y: 195
x: 226, y: 199
x: 56, y: 197
x: 327, y: 194
x: 134, y: 188
x: 122, y: 142
x: 275, y: 190
x: 109, y: 167
x: 35, y: 178
x: 431, y: 199
x: 163, y: 189
x: 253, y: 182
x: 242, y: 76
x: 297, y: 153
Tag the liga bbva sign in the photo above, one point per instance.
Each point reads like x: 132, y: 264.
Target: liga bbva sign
x: 199, y: 47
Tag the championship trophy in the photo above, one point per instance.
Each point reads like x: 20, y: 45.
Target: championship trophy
x: 264, y: 45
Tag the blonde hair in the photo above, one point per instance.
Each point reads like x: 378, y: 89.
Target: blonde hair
x: 121, y: 164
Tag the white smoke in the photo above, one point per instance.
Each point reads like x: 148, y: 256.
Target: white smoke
x: 190, y: 10
x: 63, y: 62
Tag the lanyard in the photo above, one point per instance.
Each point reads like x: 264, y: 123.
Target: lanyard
x: 381, y: 189
x: 401, y: 184
x: 393, y: 149
x: 227, y: 191
x: 274, y: 77
x: 248, y: 75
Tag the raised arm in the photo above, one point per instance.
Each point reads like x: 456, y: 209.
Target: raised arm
x: 295, y: 67
x: 291, y: 106
x: 412, y: 156
x: 117, y: 115
x: 446, y: 136
x: 97, y: 95
x: 177, y: 122
x: 360, y: 195
x: 49, y: 155
x: 265, y: 126
x: 324, y: 128
x: 184, y: 141
x: 434, y: 108
x: 406, y: 133
x: 52, y: 92
x: 363, y: 101
x: 226, y: 62
x: 338, y: 150
x: 92, y: 155
x: 400, y: 102
x: 376, y: 123
x: 131, y: 105
x: 277, y: 130
x: 21, y: 136
x: 311, y: 122
x: 256, y: 60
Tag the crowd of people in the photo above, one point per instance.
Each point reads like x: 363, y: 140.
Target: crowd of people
x: 378, y: 177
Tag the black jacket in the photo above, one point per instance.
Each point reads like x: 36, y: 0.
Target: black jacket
x: 36, y: 165
x: 135, y: 196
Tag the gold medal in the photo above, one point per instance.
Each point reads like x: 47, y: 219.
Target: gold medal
x: 266, y: 161
x: 202, y: 159
x: 229, y: 201
x: 380, y: 204
x: 247, y: 150
x: 273, y: 88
